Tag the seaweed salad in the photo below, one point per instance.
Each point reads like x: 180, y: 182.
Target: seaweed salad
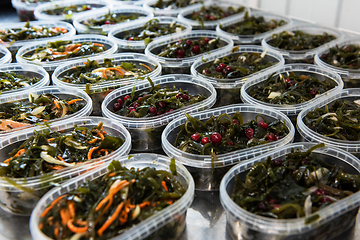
x: 111, y: 18
x: 12, y: 81
x: 212, y: 13
x: 346, y: 56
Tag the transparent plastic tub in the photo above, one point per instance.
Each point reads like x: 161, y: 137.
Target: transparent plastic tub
x: 185, y: 14
x: 146, y: 132
x: 25, y: 10
x: 20, y: 195
x: 5, y: 55
x: 144, y: 15
x: 256, y: 38
x: 307, y: 69
x: 127, y: 2
x: 333, y: 219
x: 351, y: 77
x: 27, y: 70
x: 109, y: 44
x: 99, y: 91
x: 302, y: 56
x: 228, y: 90
x: 169, y: 12
x: 182, y: 65
x: 139, y: 46
x: 60, y: 92
x: 312, y: 136
x: 13, y: 47
x: 168, y: 223
x: 207, y: 173
x: 40, y: 14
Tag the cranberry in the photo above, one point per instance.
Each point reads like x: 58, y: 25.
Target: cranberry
x: 222, y: 65
x: 271, y: 137
x: 224, y: 72
x: 139, y: 98
x: 152, y: 110
x: 107, y: 22
x: 126, y: 97
x: 188, y: 42
x: 206, y: 71
x: 262, y: 206
x: 117, y: 106
x: 263, y: 125
x: 135, y: 105
x: 215, y: 138
x: 325, y: 200
x: 119, y: 101
x: 230, y: 143
x: 204, y: 140
x: 212, y: 18
x: 287, y: 80
x: 272, y: 201
x: 218, y: 69
x: 206, y: 40
x: 304, y: 161
x: 179, y: 96
x: 235, y: 121
x: 228, y: 68
x: 161, y: 104
x: 277, y: 162
x: 195, y: 137
x: 195, y: 48
x: 185, y: 97
x: 131, y: 109
x: 320, y: 191
x: 249, y: 133
x: 180, y: 53
x: 313, y: 92
x: 276, y: 206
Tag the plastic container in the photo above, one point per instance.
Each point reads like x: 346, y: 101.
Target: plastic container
x: 5, y: 55
x: 302, y: 56
x: 207, y: 174
x: 60, y: 92
x: 18, y: 25
x: 27, y: 70
x: 333, y: 219
x: 169, y: 12
x: 168, y: 223
x: 99, y: 91
x: 50, y: 66
x: 41, y: 15
x: 25, y: 10
x: 185, y: 14
x: 307, y: 69
x: 139, y: 46
x: 116, y: 3
x: 144, y: 15
x: 256, y: 38
x: 182, y: 65
x: 228, y: 90
x: 312, y: 136
x: 22, y: 200
x: 351, y: 77
x: 146, y: 132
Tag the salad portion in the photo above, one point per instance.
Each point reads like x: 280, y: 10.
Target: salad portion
x: 346, y: 56
x: 12, y: 81
x: 111, y: 18
x: 213, y: 13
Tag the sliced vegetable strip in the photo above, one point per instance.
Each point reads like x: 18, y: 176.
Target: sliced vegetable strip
x: 69, y: 10
x: 12, y: 81
x: 111, y: 18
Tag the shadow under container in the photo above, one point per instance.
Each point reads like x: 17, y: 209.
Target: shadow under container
x: 254, y: 39
x: 126, y: 10
x: 332, y: 220
x: 19, y: 195
x: 351, y: 77
x: 124, y: 45
x: 110, y: 46
x: 169, y: 223
x: 98, y: 91
x: 301, y: 69
x: 167, y: 12
x: 182, y: 65
x: 208, y: 172
x: 146, y: 132
x: 308, y: 134
x: 60, y: 92
x: 302, y: 56
x: 228, y: 90
x: 185, y: 14
x: 40, y: 10
x: 5, y: 55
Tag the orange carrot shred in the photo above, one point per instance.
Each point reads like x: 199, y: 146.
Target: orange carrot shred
x: 93, y: 141
x: 60, y: 158
x: 56, y: 104
x: 72, y: 209
x: 163, y: 183
x: 98, y: 44
x: 56, y: 232
x: 111, y: 174
x: 65, y: 216
x: 100, y: 135
x: 141, y: 64
x: 50, y: 139
x: 90, y: 152
x: 74, y: 101
x: 75, y: 229
x: 115, y: 69
x: 51, y: 206
x: 144, y: 204
x: 111, y: 219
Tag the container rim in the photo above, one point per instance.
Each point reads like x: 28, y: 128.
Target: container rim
x: 7, y: 55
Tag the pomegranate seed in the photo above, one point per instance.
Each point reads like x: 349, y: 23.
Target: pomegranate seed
x: 207, y: 16
x: 227, y: 14
x: 188, y: 42
x: 276, y: 206
x: 249, y: 133
x: 218, y: 69
x: 262, y: 206
x: 170, y: 110
x: 287, y: 80
x: 117, y: 106
x: 161, y: 104
x: 178, y: 96
x: 215, y: 138
x: 278, y: 137
x: 135, y: 105
x: 228, y: 68
x: 320, y: 191
x: 313, y: 92
x: 131, y: 39
x: 139, y: 98
x: 222, y: 65
x: 131, y: 109
x: 212, y: 18
x: 271, y: 137
x: 277, y: 162
x: 180, y: 52
x: 291, y: 83
x: 119, y: 101
x: 206, y: 71
x: 204, y: 140
x: 235, y: 121
x: 185, y: 97
x: 206, y: 40
x: 347, y: 48
x: 263, y: 125
x: 107, y: 22
x: 126, y: 97
x: 195, y: 49
x: 195, y: 137
x: 152, y: 110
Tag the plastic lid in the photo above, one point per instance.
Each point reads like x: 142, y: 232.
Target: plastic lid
x: 307, y: 28
x: 145, y: 15
x: 236, y: 82
x: 166, y: 11
x: 105, y: 86
x: 249, y: 112
x: 310, y: 135
x: 209, y: 25
x: 41, y: 15
x: 140, y: 45
x: 18, y: 4
x: 280, y: 228
x: 50, y: 66
x: 127, y: 2
x: 169, y: 215
x: 6, y: 58
x: 28, y: 70
x: 300, y: 68
x: 351, y: 73
x: 185, y: 82
x: 74, y: 93
x: 256, y: 38
x: 17, y: 44
x: 186, y: 62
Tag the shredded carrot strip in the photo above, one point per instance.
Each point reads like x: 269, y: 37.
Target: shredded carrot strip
x: 115, y: 69
x: 56, y: 232
x: 74, y: 101
x: 51, y: 206
x: 101, y: 203
x: 57, y: 167
x: 103, y: 130
x: 50, y: 139
x: 8, y: 160
x: 163, y: 183
x: 72, y: 209
x: 98, y: 44
x: 41, y: 225
x: 19, y: 153
x: 91, y: 152
x: 111, y: 219
x: 60, y: 158
x: 93, y: 141
x: 59, y: 53
x: 100, y: 135
x: 104, y: 73
x: 170, y: 202
x: 104, y: 150
x: 44, y: 120
x: 75, y: 229
x: 56, y: 104
x: 111, y: 174
x: 123, y: 218
x: 144, y: 204
x: 65, y: 216
x: 81, y: 222
x: 141, y: 64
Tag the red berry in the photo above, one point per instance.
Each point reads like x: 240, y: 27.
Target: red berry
x: 249, y: 133
x: 212, y: 18
x: 131, y: 109
x: 180, y: 53
x: 161, y: 104
x: 222, y: 65
x: 215, y: 138
x: 271, y: 137
x: 139, y: 98
x: 152, y: 110
x: 195, y: 49
x: 320, y: 191
x: 204, y: 140
x: 195, y: 137
x: 178, y: 96
x: 235, y: 121
x: 287, y: 80
x: 126, y: 97
x: 135, y: 105
x: 119, y: 101
x: 277, y: 162
x: 313, y: 92
x: 170, y: 110
x: 228, y: 68
x: 218, y: 69
x: 230, y: 143
x: 107, y: 22
x: 206, y: 40
x: 206, y: 71
x: 291, y: 83
x: 117, y: 106
x: 263, y: 125
x: 185, y: 97
x: 188, y: 42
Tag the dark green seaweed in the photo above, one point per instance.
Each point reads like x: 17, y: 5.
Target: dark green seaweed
x: 346, y: 56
